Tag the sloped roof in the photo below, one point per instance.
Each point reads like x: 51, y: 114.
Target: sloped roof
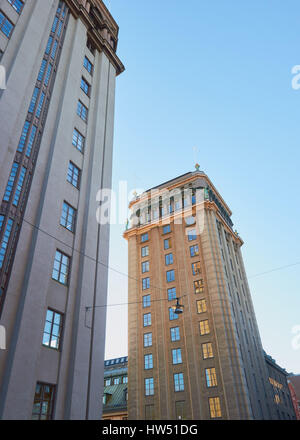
x: 118, y: 397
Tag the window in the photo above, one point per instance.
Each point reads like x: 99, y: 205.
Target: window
x: 116, y: 381
x: 88, y: 65
x: 84, y: 85
x: 176, y: 356
x: 6, y: 25
x: 148, y: 340
x: 147, y: 319
x: 166, y: 229
x: 167, y: 243
x: 201, y: 306
x: 180, y: 410
x: 73, y: 175
x: 90, y: 46
x: 31, y: 140
x: 196, y: 268
x: 194, y: 250
x: 46, y: 82
x: 82, y: 111
x: 204, y: 327
x: 145, y: 266
x: 178, y: 382
x: 4, y: 242
x: 49, y: 44
x: 17, y: 5
x: 53, y: 329
x: 54, y: 48
x: 78, y: 140
x: 170, y: 276
x: 54, y: 24
x: 146, y: 283
x: 198, y: 286
x: 146, y: 301
x: 145, y: 251
x: 68, y: 217
x: 169, y: 259
x: 172, y: 293
x: 33, y: 99
x: 149, y: 412
x: 10, y: 182
x: 172, y: 314
x: 1, y: 221
x: 211, y: 378
x: 175, y: 334
x: 39, y: 108
x: 149, y: 386
x: 207, y: 350
x: 107, y: 382
x: 192, y: 234
x: 214, y: 407
x: 43, y: 401
x: 23, y: 137
x: 125, y: 379
x: 148, y: 361
x: 144, y: 237
x: 19, y: 186
x: 61, y: 268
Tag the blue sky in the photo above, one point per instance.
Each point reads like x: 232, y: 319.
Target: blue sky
x: 216, y: 75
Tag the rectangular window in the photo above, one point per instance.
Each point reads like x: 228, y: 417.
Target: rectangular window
x: 61, y: 268
x: 1, y: 221
x: 68, y: 217
x: 116, y: 381
x: 88, y: 65
x: 53, y: 329
x: 107, y: 382
x: 54, y: 25
x: 180, y: 410
x: 41, y: 102
x: 149, y: 386
x: 214, y: 407
x: 198, y: 286
x: 49, y: 44
x: 196, y: 268
x: 178, y: 382
x: 23, y: 136
x: 147, y: 319
x: 145, y: 266
x: 201, y: 306
x: 175, y: 334
x: 149, y: 412
x: 11, y: 181
x: 73, y: 176
x: 207, y: 350
x: 146, y: 301
x: 6, y: 26
x: 169, y: 259
x: 170, y: 274
x: 148, y: 340
x: 211, y: 377
x: 167, y: 243
x: 78, y: 140
x: 17, y: 5
x: 82, y: 111
x: 43, y: 402
x: 145, y: 251
x: 47, y: 77
x: 192, y: 234
x: 204, y: 327
x: 194, y: 250
x: 146, y: 283
x: 54, y: 48
x: 172, y: 314
x: 4, y: 242
x: 148, y: 361
x: 176, y: 356
x: 172, y: 293
x: 19, y: 186
x: 125, y: 379
x: 84, y: 85
x: 144, y: 237
x: 33, y: 100
x: 31, y: 140
x: 166, y: 229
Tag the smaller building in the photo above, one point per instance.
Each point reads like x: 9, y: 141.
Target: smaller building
x: 294, y: 386
x: 115, y: 393
x: 282, y: 400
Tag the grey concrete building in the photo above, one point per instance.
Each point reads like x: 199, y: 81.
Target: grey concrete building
x: 56, y: 125
x: 207, y: 362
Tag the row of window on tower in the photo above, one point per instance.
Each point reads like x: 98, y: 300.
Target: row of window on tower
x: 175, y: 332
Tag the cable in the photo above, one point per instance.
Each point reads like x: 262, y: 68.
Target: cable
x: 274, y: 270
x: 135, y: 302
